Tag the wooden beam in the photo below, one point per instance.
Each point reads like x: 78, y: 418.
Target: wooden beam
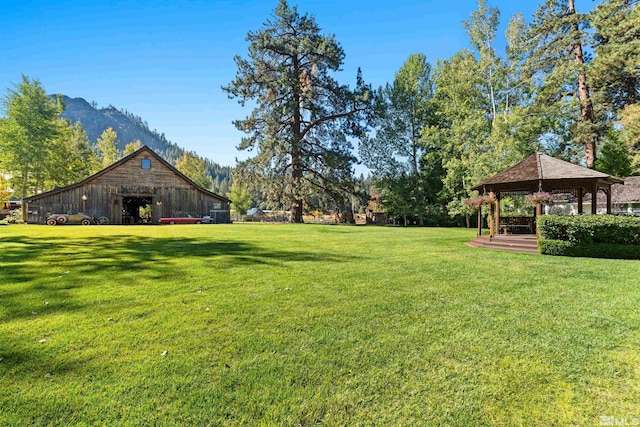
x: 479, y: 221
x: 580, y: 208
x: 594, y: 199
x: 492, y: 216
x: 609, y: 199
x: 498, y: 213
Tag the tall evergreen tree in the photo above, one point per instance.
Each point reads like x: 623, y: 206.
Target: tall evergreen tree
x: 616, y: 77
x: 557, y: 60
x: 630, y: 134
x: 614, y: 70
x: 299, y: 107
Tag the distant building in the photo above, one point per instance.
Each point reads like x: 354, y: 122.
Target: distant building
x: 7, y: 206
x: 374, y: 212
x: 254, y: 214
x: 141, y: 186
x: 625, y: 199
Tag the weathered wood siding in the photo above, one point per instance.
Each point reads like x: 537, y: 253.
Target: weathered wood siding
x: 132, y: 172
x: 170, y: 193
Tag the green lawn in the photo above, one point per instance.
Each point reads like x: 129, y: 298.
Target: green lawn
x: 309, y: 324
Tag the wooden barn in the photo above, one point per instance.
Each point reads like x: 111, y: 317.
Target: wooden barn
x: 140, y: 188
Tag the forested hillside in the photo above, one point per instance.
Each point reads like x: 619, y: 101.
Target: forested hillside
x: 130, y: 127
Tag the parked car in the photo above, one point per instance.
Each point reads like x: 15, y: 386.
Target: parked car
x: 79, y: 218
x: 186, y: 220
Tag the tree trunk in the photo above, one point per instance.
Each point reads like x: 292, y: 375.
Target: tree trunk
x: 415, y: 137
x: 25, y: 178
x: 586, y: 105
x: 296, y: 176
x: 296, y: 151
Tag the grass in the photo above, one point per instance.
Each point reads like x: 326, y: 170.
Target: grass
x: 308, y: 324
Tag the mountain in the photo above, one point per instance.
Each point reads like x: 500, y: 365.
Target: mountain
x: 130, y: 127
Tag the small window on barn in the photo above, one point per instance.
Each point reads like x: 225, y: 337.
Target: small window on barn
x: 146, y: 164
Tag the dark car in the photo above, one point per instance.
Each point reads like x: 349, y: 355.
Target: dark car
x: 78, y: 218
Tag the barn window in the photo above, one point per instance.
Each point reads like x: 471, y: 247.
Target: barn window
x: 146, y: 164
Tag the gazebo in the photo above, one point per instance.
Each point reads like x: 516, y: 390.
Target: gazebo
x: 541, y: 173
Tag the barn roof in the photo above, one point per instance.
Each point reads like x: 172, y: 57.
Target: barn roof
x: 541, y: 167
x: 116, y: 165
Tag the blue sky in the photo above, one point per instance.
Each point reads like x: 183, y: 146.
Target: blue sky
x: 166, y: 61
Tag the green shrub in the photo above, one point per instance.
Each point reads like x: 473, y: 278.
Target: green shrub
x: 588, y: 250
x: 587, y: 229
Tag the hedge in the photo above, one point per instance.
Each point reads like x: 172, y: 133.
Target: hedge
x: 588, y: 250
x: 595, y: 236
x: 622, y: 230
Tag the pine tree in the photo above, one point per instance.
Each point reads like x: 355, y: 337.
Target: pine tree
x: 301, y: 113
x: 614, y: 70
x: 558, y: 61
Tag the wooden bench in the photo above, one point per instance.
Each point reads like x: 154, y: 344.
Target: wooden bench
x: 516, y: 225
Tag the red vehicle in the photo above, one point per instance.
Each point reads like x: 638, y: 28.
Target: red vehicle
x: 186, y: 220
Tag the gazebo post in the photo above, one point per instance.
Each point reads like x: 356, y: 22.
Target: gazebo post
x: 497, y: 213
x: 538, y: 213
x: 580, y: 209
x: 492, y: 217
x: 594, y: 199
x: 479, y: 221
x: 609, y: 199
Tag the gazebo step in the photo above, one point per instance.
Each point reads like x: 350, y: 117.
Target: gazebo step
x: 524, y: 243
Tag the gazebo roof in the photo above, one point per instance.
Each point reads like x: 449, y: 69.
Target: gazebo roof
x: 541, y: 167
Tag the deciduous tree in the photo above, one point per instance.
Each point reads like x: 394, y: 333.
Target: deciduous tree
x: 240, y: 198
x: 71, y: 158
x: 107, y: 148
x: 396, y: 153
x: 195, y: 168
x: 132, y: 147
x: 27, y: 135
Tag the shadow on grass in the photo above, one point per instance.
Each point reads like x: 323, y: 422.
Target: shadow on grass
x: 133, y: 251
x: 34, y: 269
